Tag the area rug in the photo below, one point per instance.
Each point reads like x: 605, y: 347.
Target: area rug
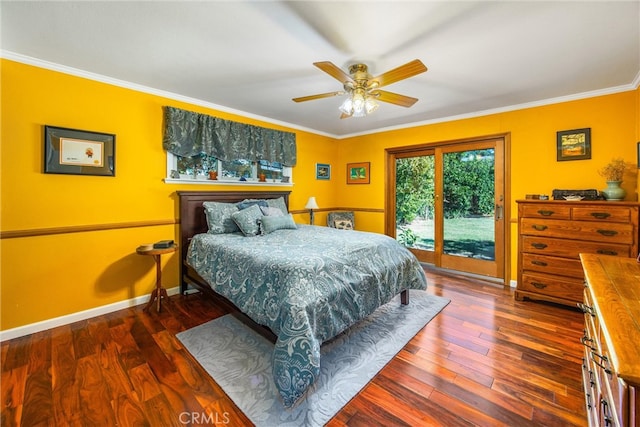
x: 239, y: 360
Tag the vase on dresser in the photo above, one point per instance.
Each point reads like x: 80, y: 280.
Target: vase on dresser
x: 614, y: 191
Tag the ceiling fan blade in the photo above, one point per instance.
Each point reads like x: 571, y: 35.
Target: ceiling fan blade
x: 335, y: 72
x: 318, y: 96
x: 405, y: 71
x: 394, y: 98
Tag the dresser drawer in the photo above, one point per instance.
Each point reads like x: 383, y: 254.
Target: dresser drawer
x: 611, y: 318
x: 579, y: 230
x: 552, y: 265
x: 543, y: 211
x: 591, y: 392
x: 554, y: 233
x: 591, y: 327
x: 571, y: 248
x: 606, y: 213
x: 559, y: 287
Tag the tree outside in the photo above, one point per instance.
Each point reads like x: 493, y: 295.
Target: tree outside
x: 468, y: 202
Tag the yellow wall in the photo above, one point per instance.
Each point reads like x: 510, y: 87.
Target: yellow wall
x: 638, y: 138
x: 613, y: 120
x: 49, y: 276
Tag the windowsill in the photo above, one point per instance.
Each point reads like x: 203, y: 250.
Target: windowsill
x: 250, y: 182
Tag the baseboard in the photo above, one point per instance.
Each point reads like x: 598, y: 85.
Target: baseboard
x: 75, y: 317
x: 513, y: 284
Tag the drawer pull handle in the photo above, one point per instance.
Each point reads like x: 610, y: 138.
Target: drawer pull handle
x: 586, y: 309
x: 607, y: 252
x: 539, y: 245
x: 608, y: 232
x: 600, y: 215
x: 606, y: 412
x: 545, y: 213
x: 539, y: 285
x: 596, y: 359
x: 585, y: 339
x: 539, y: 227
x: 540, y: 263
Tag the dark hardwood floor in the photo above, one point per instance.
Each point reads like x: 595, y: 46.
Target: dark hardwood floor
x: 485, y: 360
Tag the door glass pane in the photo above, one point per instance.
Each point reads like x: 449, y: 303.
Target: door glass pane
x: 469, y: 204
x: 415, y: 202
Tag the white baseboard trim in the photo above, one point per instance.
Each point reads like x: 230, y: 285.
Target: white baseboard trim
x: 32, y: 328
x: 513, y: 283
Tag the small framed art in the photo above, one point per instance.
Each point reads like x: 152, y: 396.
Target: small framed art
x: 358, y: 173
x: 78, y: 152
x: 323, y: 171
x: 574, y: 144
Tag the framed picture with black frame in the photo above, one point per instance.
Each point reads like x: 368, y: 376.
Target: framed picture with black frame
x: 573, y: 144
x: 79, y: 152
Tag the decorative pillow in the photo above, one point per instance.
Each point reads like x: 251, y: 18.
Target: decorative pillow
x: 269, y: 224
x: 250, y: 202
x: 278, y: 203
x: 343, y: 224
x: 268, y: 211
x: 247, y: 220
x: 219, y: 217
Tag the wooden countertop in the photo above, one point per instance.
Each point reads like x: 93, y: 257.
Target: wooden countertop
x: 615, y: 286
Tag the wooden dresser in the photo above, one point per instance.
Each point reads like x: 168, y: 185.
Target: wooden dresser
x: 611, y: 363
x: 552, y: 234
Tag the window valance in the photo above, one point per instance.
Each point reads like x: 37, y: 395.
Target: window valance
x: 190, y: 134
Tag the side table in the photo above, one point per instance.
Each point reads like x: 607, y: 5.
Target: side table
x: 159, y: 292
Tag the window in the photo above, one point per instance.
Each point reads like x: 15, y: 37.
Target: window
x: 183, y: 169
x: 270, y: 170
x: 198, y: 165
x: 240, y: 168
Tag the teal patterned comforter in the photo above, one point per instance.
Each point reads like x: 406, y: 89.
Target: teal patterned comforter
x: 307, y: 285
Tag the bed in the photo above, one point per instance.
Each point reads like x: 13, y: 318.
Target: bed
x: 306, y: 284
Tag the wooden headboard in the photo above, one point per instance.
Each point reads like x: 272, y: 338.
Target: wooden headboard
x: 193, y: 220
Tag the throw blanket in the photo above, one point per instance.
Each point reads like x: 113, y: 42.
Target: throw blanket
x: 307, y: 285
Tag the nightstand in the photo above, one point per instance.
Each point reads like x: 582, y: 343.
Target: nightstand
x: 159, y: 292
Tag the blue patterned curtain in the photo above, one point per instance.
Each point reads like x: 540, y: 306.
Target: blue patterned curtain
x: 190, y: 134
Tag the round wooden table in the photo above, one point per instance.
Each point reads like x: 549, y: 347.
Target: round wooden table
x: 159, y: 292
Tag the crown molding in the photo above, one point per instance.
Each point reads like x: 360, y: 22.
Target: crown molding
x: 146, y: 89
x: 174, y: 96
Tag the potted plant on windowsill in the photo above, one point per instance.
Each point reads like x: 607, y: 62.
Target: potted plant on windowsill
x: 613, y: 172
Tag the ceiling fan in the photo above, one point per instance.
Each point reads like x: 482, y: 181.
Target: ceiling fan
x: 364, y: 89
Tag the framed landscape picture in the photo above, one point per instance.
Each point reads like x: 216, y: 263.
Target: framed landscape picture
x: 574, y: 144
x: 358, y: 173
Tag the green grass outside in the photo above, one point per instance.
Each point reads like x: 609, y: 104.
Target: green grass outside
x: 471, y: 237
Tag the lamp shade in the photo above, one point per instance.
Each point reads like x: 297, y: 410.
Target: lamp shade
x: 311, y: 203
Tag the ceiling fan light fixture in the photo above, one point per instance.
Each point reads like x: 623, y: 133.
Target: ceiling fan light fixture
x: 358, y: 104
x: 347, y: 106
x: 362, y: 89
x: 370, y: 105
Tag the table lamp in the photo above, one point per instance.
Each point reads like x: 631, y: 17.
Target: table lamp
x: 311, y: 205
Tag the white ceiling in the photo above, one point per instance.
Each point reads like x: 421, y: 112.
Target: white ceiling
x: 252, y: 57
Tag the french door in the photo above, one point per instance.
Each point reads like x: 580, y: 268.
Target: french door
x: 446, y: 203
